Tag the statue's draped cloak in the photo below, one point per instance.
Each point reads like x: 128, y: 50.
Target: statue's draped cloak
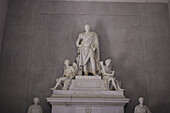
x: 89, y: 41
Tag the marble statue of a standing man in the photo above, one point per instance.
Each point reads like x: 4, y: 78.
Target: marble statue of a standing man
x: 141, y: 108
x: 88, y: 49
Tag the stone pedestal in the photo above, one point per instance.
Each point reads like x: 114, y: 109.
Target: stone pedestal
x: 87, y: 92
x: 87, y: 83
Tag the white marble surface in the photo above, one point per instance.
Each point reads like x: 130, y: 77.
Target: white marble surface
x: 79, y: 104
x: 87, y: 83
x: 85, y: 92
x: 108, y: 74
x: 88, y: 93
x: 69, y: 73
x: 81, y: 109
x: 88, y: 77
x: 88, y: 51
x: 76, y: 100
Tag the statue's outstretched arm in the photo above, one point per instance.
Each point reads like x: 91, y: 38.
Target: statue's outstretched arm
x: 112, y: 73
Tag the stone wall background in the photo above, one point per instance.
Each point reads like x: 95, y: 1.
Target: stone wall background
x: 41, y: 34
x: 169, y: 8
x: 3, y: 16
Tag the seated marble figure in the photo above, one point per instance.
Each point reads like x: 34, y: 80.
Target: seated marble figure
x: 35, y: 108
x: 108, y: 75
x: 141, y: 108
x: 69, y: 73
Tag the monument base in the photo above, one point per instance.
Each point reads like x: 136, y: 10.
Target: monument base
x: 82, y: 109
x: 85, y: 98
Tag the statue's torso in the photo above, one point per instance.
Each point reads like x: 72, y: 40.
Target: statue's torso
x: 35, y: 109
x: 87, y: 38
x: 140, y: 109
x: 68, y: 71
x: 107, y: 69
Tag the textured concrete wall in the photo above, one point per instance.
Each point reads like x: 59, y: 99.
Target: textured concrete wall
x: 40, y: 35
x: 169, y: 8
x: 3, y: 15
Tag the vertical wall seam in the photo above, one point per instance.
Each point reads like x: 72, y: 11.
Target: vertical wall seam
x: 169, y: 9
x: 144, y: 56
x: 4, y: 31
x: 30, y: 60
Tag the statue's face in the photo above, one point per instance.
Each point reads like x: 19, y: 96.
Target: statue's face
x: 67, y: 62
x: 141, y: 100
x: 87, y: 27
x: 36, y: 100
x: 108, y: 62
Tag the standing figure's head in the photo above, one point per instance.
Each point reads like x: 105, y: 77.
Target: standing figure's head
x: 36, y: 100
x: 67, y: 63
x: 108, y: 62
x: 141, y: 100
x: 87, y: 28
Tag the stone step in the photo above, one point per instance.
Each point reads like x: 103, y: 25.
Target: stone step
x: 96, y: 77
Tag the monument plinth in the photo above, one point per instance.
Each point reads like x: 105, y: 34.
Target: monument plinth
x: 77, y: 98
x: 88, y: 83
x: 100, y: 92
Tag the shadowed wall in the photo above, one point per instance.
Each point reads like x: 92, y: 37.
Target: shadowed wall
x: 40, y: 35
x: 169, y: 8
x: 3, y: 15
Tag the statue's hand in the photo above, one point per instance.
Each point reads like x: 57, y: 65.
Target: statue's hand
x: 79, y: 45
x: 93, y: 48
x: 113, y: 73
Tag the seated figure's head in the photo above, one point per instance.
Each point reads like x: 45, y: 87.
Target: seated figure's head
x: 36, y: 100
x: 108, y: 62
x: 141, y: 100
x: 67, y: 62
x: 87, y: 27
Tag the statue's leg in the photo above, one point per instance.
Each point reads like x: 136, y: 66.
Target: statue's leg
x: 66, y: 84
x: 55, y: 85
x: 58, y: 82
x: 85, y: 69
x: 113, y: 83
x: 105, y: 84
x: 93, y: 66
x: 118, y: 86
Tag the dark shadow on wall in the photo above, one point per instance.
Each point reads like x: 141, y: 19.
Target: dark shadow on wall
x: 104, y: 42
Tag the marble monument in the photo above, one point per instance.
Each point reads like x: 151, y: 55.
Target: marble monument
x: 89, y: 85
x: 141, y: 108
